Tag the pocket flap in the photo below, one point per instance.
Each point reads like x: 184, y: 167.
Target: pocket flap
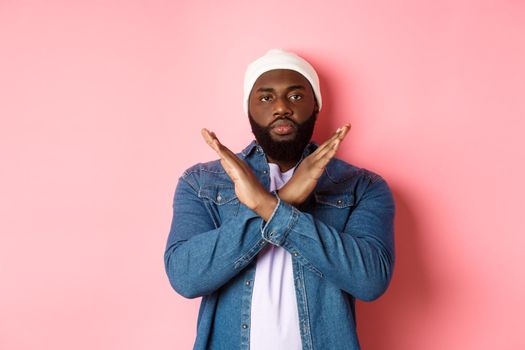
x: 338, y: 200
x: 218, y: 194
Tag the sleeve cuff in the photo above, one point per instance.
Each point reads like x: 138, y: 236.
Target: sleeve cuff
x: 280, y: 222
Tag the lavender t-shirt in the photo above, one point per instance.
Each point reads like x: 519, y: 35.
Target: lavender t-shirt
x: 274, y: 316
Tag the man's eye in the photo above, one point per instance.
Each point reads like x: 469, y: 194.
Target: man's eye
x: 265, y: 98
x: 296, y: 97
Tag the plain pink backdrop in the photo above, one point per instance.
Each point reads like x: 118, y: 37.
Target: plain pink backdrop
x: 101, y: 103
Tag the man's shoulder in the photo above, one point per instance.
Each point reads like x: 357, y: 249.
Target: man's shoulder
x: 209, y: 174
x: 339, y: 171
x: 213, y: 166
x: 343, y: 182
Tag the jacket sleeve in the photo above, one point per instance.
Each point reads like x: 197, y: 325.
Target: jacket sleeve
x: 360, y: 259
x: 200, y: 257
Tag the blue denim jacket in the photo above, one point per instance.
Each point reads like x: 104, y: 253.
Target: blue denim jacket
x: 341, y: 240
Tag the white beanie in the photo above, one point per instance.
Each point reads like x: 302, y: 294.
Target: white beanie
x: 279, y: 59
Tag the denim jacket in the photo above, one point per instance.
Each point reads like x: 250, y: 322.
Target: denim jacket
x: 341, y: 240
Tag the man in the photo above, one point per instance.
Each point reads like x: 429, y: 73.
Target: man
x: 280, y: 239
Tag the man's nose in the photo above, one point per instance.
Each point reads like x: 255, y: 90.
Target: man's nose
x: 281, y: 108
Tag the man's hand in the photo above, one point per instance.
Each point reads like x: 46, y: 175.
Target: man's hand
x: 247, y: 187
x: 304, y: 179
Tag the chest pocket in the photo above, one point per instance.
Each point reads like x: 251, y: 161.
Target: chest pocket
x: 222, y: 201
x: 334, y: 209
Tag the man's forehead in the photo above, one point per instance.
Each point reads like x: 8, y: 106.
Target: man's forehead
x: 280, y: 76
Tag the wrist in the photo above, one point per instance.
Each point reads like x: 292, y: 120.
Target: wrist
x: 283, y: 194
x: 266, y: 206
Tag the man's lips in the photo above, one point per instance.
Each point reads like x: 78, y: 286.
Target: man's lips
x: 283, y: 127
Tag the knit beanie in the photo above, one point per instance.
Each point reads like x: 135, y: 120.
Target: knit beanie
x: 279, y: 59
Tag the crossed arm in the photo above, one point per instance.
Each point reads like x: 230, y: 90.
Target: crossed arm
x: 252, y: 194
x: 200, y: 258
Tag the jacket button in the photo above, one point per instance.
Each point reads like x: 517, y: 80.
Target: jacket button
x: 339, y: 201
x: 244, y: 326
x: 248, y: 282
x: 219, y: 198
x: 265, y: 171
x: 295, y: 253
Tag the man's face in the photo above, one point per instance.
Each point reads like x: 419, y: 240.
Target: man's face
x: 282, y: 112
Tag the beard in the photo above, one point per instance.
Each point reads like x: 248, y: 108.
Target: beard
x: 287, y: 150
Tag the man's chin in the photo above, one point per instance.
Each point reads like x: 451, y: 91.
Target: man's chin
x: 283, y: 138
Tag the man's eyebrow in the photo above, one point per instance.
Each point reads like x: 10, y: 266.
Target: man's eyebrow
x: 291, y: 87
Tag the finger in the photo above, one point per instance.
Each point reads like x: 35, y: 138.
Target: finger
x: 228, y: 169
x: 219, y: 144
x: 212, y: 134
x: 233, y: 162
x: 344, y: 130
x: 328, y: 146
x: 210, y: 139
x: 206, y: 134
x: 323, y: 158
x: 340, y: 133
x: 322, y: 162
x: 229, y: 155
x: 327, y: 143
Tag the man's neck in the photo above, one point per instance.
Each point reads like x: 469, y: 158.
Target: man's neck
x: 283, y: 165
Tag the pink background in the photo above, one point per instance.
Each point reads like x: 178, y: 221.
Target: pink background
x: 101, y: 103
